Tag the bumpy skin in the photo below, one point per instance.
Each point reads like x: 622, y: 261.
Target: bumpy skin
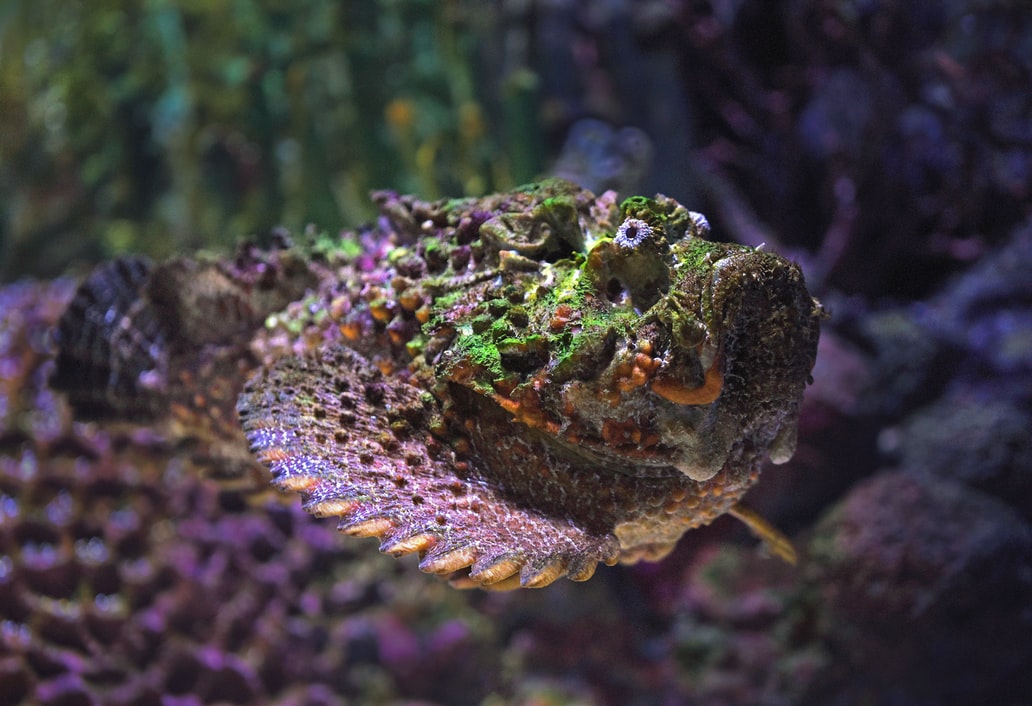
x: 516, y: 387
x: 167, y: 345
x: 532, y: 383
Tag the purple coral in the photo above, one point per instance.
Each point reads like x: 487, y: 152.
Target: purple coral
x: 125, y: 578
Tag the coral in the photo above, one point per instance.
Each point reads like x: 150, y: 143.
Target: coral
x: 949, y: 378
x: 28, y: 408
x: 926, y: 587
x: 983, y: 443
x: 127, y: 578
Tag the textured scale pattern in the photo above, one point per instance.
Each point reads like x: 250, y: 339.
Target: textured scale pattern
x: 529, y: 384
x: 335, y: 437
x: 516, y: 387
x: 167, y: 344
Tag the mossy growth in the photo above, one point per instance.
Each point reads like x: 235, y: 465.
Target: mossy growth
x: 563, y: 327
x: 335, y: 248
x: 661, y: 212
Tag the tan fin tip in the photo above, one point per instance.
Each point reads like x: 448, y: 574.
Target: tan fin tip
x: 445, y: 562
x: 400, y: 546
x: 372, y: 527
x: 296, y: 484
x: 463, y: 581
x: 533, y: 577
x: 494, y: 571
x: 771, y: 536
x: 332, y: 507
x: 585, y: 572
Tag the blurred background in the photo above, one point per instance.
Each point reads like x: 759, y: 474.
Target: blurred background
x: 886, y: 145
x: 890, y: 141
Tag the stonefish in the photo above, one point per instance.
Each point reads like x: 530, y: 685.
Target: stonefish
x: 515, y: 387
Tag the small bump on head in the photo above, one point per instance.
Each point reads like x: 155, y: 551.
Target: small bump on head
x: 698, y: 226
x: 632, y: 233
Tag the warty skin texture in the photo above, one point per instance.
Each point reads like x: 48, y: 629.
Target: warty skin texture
x: 520, y: 386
